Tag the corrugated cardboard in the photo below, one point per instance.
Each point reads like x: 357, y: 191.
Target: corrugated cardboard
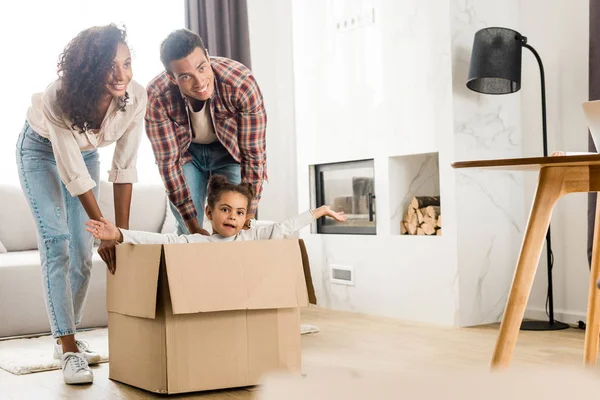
x: 204, y: 316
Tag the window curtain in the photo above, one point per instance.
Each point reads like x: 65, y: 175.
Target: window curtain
x: 222, y: 25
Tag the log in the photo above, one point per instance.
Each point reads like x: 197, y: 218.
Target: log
x: 420, y: 215
x: 439, y: 221
x: 432, y: 211
x: 412, y: 225
x: 420, y: 231
x: 428, y: 229
x: 438, y: 232
x: 424, y: 201
x: 403, y: 228
x: 410, y: 213
x: 343, y: 203
x: 414, y: 220
x: 431, y: 221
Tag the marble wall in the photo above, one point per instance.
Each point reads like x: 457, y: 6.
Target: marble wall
x: 490, y: 211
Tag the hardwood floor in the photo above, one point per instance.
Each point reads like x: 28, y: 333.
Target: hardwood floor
x: 345, y: 342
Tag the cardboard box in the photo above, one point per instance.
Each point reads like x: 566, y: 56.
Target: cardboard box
x: 204, y: 316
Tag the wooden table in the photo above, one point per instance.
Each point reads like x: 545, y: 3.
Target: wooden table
x: 557, y: 176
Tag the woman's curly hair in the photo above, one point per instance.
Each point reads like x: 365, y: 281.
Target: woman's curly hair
x: 83, y: 68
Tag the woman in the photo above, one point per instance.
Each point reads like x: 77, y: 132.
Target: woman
x: 93, y: 103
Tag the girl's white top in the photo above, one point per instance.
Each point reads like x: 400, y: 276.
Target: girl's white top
x: 279, y: 230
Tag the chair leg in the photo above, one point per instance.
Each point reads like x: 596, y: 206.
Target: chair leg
x: 548, y: 191
x: 592, y: 329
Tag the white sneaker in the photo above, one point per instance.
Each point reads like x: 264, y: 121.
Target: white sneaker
x: 75, y: 369
x: 90, y: 356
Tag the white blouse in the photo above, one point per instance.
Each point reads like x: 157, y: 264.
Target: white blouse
x: 125, y: 128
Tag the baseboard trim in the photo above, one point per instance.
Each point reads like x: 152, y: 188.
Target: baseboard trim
x: 567, y: 316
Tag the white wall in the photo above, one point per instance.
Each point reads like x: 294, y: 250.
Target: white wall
x: 561, y: 38
x: 270, y: 24
x: 377, y: 92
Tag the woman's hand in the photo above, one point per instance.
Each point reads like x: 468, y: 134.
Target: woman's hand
x: 109, y: 234
x: 108, y: 254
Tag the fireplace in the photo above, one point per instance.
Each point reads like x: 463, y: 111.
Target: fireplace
x: 349, y: 187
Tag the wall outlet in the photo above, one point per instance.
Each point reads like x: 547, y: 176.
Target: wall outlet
x: 342, y: 274
x: 350, y: 22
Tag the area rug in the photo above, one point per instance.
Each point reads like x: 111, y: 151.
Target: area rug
x: 26, y: 356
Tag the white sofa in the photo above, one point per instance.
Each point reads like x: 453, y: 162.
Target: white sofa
x: 22, y: 306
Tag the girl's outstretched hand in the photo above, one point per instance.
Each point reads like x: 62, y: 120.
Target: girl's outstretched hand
x: 103, y: 229
x: 326, y: 211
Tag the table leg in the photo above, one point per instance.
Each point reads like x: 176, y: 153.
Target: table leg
x: 549, y: 189
x: 592, y: 329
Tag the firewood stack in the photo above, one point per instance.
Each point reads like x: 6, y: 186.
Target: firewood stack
x: 423, y: 217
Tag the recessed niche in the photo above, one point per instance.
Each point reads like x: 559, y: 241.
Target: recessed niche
x: 414, y: 187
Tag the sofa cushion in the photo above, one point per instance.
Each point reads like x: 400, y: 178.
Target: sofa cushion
x: 17, y: 226
x: 170, y: 224
x: 22, y: 305
x: 147, y: 205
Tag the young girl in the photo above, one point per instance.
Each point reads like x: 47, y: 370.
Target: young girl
x: 93, y: 103
x: 226, y: 209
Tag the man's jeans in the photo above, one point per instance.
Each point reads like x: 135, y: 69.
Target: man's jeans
x: 207, y: 159
x: 65, y: 246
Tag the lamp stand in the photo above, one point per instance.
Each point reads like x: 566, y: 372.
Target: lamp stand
x: 551, y: 324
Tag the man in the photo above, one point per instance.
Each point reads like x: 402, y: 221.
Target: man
x: 205, y: 115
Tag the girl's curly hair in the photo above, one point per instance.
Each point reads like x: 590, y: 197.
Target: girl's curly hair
x: 218, y: 184
x: 83, y: 68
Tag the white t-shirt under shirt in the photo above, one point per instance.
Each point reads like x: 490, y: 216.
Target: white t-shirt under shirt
x: 124, y: 127
x: 203, y: 131
x: 280, y: 230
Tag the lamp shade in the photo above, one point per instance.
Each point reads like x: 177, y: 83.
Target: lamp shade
x: 495, y: 66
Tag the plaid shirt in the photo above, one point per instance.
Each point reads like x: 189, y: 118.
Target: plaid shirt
x: 240, y: 122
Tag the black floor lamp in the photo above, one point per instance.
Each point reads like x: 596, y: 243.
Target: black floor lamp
x: 495, y: 68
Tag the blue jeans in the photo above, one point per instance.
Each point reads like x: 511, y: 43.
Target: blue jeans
x: 207, y: 159
x: 65, y: 246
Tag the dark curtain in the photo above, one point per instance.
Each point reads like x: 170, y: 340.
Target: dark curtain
x: 222, y: 25
x: 594, y: 94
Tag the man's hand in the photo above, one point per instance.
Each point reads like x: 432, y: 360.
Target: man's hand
x: 249, y: 217
x: 108, y: 254
x: 202, y: 231
x: 194, y: 227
